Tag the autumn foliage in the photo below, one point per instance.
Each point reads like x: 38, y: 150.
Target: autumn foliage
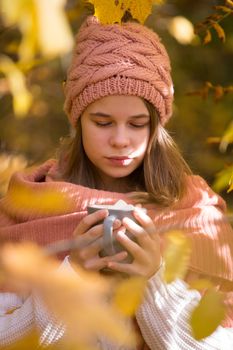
x: 39, y: 22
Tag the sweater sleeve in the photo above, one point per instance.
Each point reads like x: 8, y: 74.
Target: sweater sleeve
x: 19, y: 317
x: 163, y: 318
x: 16, y: 319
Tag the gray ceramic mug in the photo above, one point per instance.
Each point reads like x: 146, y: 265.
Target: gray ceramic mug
x: 119, y: 211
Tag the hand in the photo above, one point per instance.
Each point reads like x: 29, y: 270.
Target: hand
x: 145, y: 251
x: 89, y: 240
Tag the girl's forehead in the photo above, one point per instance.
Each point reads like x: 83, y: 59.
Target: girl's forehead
x: 122, y: 104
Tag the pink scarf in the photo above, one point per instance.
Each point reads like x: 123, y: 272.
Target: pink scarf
x: 200, y: 213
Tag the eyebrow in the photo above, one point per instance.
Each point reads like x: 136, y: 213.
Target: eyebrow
x: 101, y: 114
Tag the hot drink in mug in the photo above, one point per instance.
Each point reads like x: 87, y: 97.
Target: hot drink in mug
x: 119, y: 211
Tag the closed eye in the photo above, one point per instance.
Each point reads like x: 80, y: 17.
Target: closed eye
x: 103, y: 124
x: 139, y: 125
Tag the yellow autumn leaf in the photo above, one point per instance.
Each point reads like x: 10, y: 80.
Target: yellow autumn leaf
x: 22, y: 98
x: 54, y: 32
x: 222, y: 179
x: 129, y: 294
x: 200, y: 284
x: 176, y: 255
x: 112, y: 11
x: 219, y: 30
x: 43, y: 25
x: 11, y: 10
x: 229, y: 2
x: 227, y: 138
x: 230, y: 183
x: 108, y: 11
x: 141, y: 9
x: 207, y: 37
x: 78, y: 298
x: 224, y: 8
x: 40, y: 202
x: 208, y: 315
x: 8, y: 165
x: 22, y: 13
x: 28, y: 342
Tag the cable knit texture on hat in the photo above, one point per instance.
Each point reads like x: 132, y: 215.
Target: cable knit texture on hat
x: 118, y: 59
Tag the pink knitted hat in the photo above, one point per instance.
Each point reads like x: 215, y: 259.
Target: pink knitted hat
x: 118, y: 59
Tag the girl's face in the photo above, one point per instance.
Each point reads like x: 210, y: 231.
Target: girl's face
x: 115, y: 133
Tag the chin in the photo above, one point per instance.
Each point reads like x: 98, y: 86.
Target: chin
x: 120, y: 176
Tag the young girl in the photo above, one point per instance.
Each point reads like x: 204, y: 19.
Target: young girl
x: 118, y: 97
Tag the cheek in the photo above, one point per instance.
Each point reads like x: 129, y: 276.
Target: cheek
x: 143, y: 144
x: 92, y: 143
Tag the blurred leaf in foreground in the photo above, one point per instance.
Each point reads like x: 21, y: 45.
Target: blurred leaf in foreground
x: 29, y: 342
x: 43, y: 25
x: 227, y: 138
x: 201, y: 284
x: 176, y: 255
x: 222, y: 179
x: 8, y: 165
x: 22, y: 98
x: 208, y: 315
x: 22, y: 14
x: 54, y: 35
x: 79, y: 299
x: 230, y: 183
x: 128, y: 294
x: 38, y: 202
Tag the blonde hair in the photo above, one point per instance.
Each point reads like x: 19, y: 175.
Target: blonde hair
x: 160, y: 178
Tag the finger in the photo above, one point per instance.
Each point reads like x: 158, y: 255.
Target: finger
x: 100, y: 263
x: 132, y: 247
x: 117, y: 257
x: 138, y: 205
x: 121, y: 267
x: 145, y: 221
x: 91, y: 250
x: 142, y: 236
x: 88, y: 237
x: 90, y: 220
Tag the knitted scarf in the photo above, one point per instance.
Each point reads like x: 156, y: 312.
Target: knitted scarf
x: 200, y: 213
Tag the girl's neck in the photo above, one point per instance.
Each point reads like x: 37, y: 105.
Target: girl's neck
x: 116, y: 185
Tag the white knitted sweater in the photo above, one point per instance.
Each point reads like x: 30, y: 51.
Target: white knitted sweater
x: 162, y: 317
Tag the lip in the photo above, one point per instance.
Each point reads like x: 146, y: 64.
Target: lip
x: 119, y: 160
x: 119, y: 157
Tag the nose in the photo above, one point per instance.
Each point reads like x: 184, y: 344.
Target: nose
x: 119, y: 138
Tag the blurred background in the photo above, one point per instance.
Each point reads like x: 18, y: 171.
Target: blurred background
x: 203, y: 112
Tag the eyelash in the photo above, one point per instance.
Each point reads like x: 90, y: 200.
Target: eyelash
x: 108, y: 124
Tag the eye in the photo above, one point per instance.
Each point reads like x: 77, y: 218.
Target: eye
x: 103, y: 124
x: 139, y: 125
